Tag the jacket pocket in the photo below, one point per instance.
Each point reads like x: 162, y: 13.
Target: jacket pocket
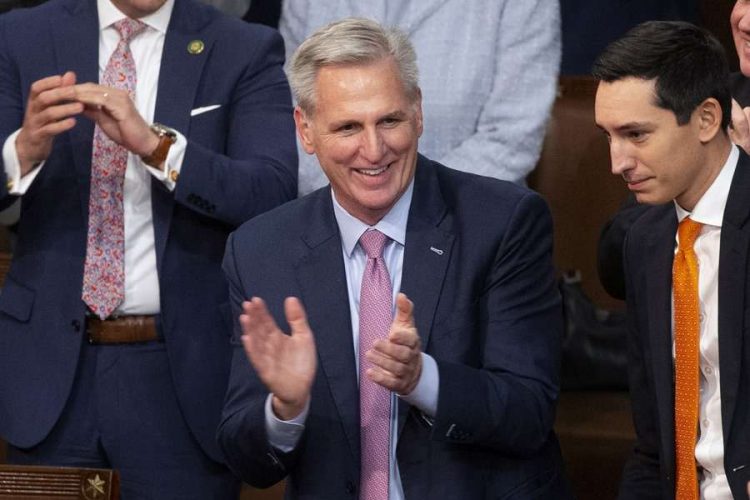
x: 16, y: 300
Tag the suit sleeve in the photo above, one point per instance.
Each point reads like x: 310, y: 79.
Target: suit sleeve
x: 641, y: 476
x: 258, y: 169
x: 11, y: 105
x: 507, y: 404
x: 513, y: 120
x: 242, y: 433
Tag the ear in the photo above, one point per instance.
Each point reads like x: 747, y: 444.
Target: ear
x: 709, y: 117
x: 304, y: 130
x: 418, y: 111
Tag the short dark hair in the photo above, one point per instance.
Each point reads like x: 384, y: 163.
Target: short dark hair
x: 688, y: 64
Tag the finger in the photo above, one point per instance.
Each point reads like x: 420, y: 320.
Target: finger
x: 388, y: 364
x: 396, y: 351
x: 53, y: 97
x: 60, y: 112
x: 404, y: 311
x: 387, y: 380
x: 68, y: 78
x: 296, y: 316
x: 256, y: 320
x: 57, y: 128
x: 404, y: 336
x: 44, y: 84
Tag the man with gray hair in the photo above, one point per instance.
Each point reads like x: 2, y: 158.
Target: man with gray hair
x: 425, y: 321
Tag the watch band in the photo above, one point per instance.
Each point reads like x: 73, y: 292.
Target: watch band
x: 167, y: 137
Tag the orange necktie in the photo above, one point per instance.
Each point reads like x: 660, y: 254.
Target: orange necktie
x: 686, y: 341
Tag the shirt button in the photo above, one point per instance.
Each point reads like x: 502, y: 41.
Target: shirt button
x: 707, y: 370
x: 706, y: 422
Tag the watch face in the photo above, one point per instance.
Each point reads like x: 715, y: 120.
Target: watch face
x: 163, y: 131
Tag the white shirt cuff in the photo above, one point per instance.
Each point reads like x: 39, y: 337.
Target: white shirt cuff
x: 172, y: 165
x: 425, y: 394
x: 284, y: 434
x: 17, y: 185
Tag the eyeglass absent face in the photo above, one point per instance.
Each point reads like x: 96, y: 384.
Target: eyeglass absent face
x: 740, y: 22
x: 364, y: 131
x: 659, y: 159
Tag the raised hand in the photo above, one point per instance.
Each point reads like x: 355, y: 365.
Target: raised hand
x: 115, y: 113
x: 285, y: 363
x: 397, y: 361
x: 50, y: 110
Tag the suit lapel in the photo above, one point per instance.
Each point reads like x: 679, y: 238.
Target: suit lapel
x: 660, y: 248
x: 179, y: 77
x: 427, y: 254
x: 322, y: 281
x: 76, y: 42
x: 735, y: 248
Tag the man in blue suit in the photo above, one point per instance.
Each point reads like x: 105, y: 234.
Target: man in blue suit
x: 664, y: 102
x: 203, y: 140
x: 455, y: 397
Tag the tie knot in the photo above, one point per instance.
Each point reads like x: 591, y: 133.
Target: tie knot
x: 372, y: 242
x: 688, y: 232
x: 129, y: 28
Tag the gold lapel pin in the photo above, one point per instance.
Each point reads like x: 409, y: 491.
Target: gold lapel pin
x: 196, y: 47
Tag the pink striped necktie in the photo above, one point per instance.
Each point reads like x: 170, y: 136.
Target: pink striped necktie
x: 104, y: 268
x: 375, y: 316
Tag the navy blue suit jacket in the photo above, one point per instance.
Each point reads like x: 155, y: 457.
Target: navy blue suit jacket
x: 649, y: 252
x: 240, y: 161
x: 478, y: 267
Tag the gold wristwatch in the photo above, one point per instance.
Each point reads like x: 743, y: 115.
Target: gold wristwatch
x: 167, y: 137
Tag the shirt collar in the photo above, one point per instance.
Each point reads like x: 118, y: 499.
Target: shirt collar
x: 710, y: 208
x: 393, y: 224
x: 109, y: 14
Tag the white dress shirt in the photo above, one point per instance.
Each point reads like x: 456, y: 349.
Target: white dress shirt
x: 284, y: 435
x: 141, y: 280
x: 709, y: 211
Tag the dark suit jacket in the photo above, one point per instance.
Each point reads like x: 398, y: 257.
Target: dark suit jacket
x: 649, y: 251
x: 478, y: 267
x: 240, y: 161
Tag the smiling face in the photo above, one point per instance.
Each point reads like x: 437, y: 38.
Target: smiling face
x: 658, y: 159
x: 740, y: 22
x: 364, y: 131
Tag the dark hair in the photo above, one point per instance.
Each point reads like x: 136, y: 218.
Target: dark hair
x: 687, y: 62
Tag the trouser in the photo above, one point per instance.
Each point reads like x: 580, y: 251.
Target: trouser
x: 123, y: 414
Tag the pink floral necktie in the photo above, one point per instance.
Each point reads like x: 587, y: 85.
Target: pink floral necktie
x: 375, y: 317
x: 104, y: 268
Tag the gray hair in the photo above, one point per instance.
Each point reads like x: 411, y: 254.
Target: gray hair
x: 350, y: 41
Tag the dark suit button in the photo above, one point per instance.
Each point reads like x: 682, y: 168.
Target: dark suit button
x: 76, y: 325
x: 350, y: 488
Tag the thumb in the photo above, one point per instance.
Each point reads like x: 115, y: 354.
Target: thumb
x: 404, y: 311
x: 296, y: 316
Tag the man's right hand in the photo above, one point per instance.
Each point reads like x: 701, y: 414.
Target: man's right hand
x: 285, y: 363
x: 50, y: 111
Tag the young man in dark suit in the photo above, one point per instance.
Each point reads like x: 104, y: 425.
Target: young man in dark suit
x: 664, y: 102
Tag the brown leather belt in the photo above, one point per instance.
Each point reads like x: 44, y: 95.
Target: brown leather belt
x: 122, y: 330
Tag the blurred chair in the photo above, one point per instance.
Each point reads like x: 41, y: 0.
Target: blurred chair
x: 37, y: 483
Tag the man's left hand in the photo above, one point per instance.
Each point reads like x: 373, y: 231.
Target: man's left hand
x: 115, y: 113
x: 397, y: 361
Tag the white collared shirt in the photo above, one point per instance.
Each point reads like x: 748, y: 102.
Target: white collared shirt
x: 141, y: 280
x: 709, y: 211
